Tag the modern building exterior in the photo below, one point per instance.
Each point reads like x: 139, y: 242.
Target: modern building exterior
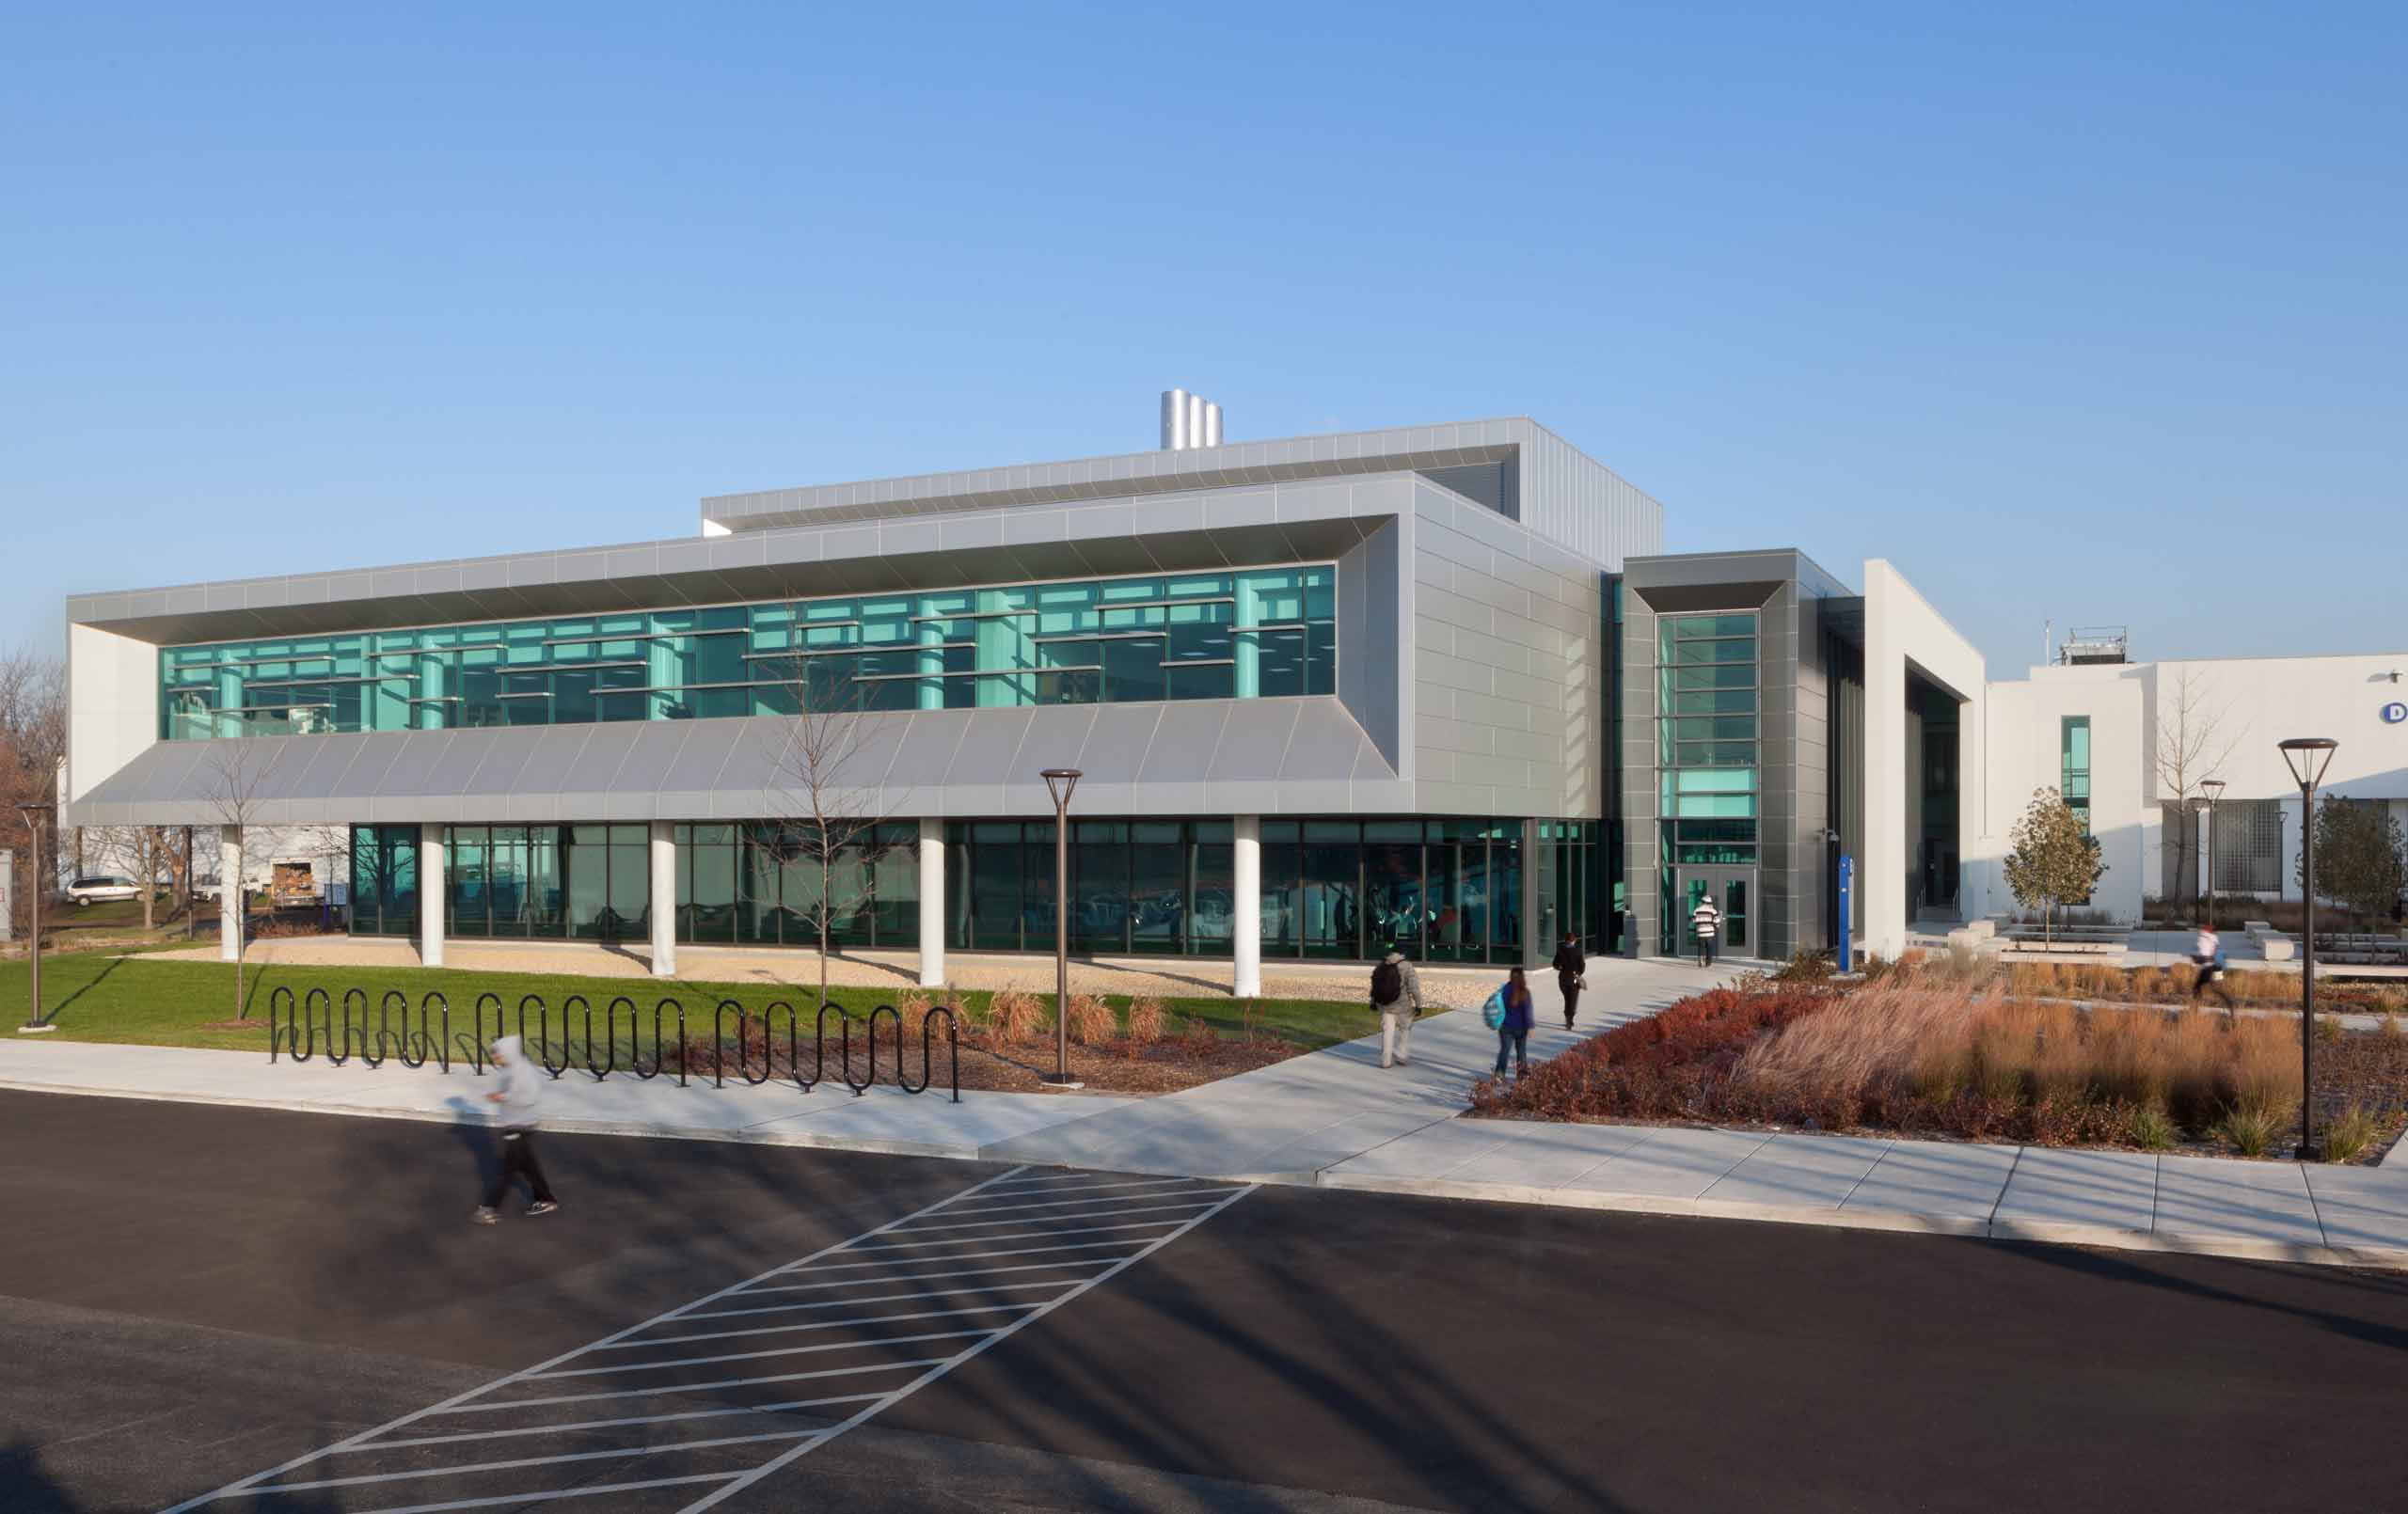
x: 1436, y: 686
x: 1325, y: 693
x: 2132, y: 742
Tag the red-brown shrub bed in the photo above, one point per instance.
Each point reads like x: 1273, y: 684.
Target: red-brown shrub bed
x: 1664, y: 1068
x: 1917, y: 1054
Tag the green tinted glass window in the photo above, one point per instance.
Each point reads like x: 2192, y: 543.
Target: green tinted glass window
x: 1254, y: 633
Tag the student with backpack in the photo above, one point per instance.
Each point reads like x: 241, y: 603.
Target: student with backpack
x: 1508, y: 1013
x: 1396, y: 997
x: 1706, y: 921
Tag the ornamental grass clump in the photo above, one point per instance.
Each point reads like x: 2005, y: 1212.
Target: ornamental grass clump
x: 1013, y: 1016
x: 1146, y: 1026
x: 2351, y: 1133
x: 1092, y: 1022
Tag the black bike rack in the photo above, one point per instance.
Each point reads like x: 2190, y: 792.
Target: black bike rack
x: 299, y: 1030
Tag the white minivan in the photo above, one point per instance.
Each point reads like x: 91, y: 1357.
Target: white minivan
x: 98, y: 887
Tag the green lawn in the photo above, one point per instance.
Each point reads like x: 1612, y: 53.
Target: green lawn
x: 150, y: 1002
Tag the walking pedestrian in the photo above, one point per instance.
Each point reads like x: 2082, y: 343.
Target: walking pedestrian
x: 521, y: 1091
x: 1571, y: 970
x: 1396, y: 995
x: 1706, y: 921
x: 2206, y: 953
x: 1512, y: 1006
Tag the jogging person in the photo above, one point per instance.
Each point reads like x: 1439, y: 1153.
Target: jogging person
x: 2206, y: 953
x: 521, y: 1090
x: 1396, y: 995
x: 1570, y: 964
x: 1706, y: 921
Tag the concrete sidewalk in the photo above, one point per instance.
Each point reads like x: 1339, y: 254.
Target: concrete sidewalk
x: 1288, y: 1122
x: 1335, y: 1119
x: 2128, y: 1200
x: 882, y: 1120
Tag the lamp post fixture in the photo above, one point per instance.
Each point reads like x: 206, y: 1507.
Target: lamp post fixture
x: 2308, y: 757
x: 35, y: 1024
x: 2212, y: 789
x: 1060, y: 781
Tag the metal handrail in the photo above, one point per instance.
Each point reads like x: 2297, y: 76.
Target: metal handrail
x: 299, y: 1028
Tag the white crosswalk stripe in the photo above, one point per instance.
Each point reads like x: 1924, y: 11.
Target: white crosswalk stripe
x: 651, y: 1409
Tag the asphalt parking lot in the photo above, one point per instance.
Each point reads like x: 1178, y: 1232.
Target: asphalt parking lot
x: 196, y: 1296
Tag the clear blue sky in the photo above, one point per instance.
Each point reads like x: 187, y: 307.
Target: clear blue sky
x: 2090, y: 312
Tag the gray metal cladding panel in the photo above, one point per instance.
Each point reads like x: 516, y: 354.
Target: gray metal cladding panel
x: 1117, y: 743
x: 703, y: 754
x: 594, y: 767
x: 1253, y: 741
x: 1053, y: 739
x: 496, y: 754
x: 1326, y: 744
x: 324, y: 769
x: 929, y: 750
x: 654, y: 756
x: 988, y: 746
x: 1184, y: 743
x: 415, y: 754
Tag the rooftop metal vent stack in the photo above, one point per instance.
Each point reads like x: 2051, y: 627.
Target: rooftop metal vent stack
x: 1189, y: 420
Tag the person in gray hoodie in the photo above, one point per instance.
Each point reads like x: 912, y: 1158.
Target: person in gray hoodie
x: 521, y: 1091
x: 1396, y: 995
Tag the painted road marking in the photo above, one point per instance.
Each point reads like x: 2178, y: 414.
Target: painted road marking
x: 879, y: 1261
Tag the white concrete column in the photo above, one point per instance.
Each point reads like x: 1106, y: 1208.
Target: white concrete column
x: 433, y: 880
x: 1245, y: 908
x: 932, y: 886
x: 231, y: 900
x: 664, y: 899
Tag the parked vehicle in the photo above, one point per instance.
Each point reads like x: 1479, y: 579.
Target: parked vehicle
x: 292, y: 882
x: 100, y: 888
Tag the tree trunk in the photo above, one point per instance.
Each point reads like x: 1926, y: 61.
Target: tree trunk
x: 827, y: 877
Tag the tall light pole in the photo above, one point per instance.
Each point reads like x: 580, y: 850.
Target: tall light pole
x: 2212, y: 790
x: 1060, y: 781
x: 2308, y: 757
x: 35, y: 1024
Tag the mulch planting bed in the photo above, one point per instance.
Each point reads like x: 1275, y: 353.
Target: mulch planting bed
x: 1163, y: 1066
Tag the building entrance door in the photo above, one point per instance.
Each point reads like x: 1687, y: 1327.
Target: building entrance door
x: 1734, y: 891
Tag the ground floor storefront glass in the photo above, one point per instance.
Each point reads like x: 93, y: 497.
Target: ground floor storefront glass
x: 1442, y: 891
x: 384, y: 880
x: 758, y: 883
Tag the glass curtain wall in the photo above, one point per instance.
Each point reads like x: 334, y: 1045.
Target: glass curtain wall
x: 1143, y: 887
x: 1257, y: 632
x: 1706, y: 745
x: 1447, y: 890
x: 384, y: 880
x: 758, y: 883
x: 1442, y: 891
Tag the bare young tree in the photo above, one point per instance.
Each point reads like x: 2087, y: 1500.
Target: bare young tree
x: 234, y: 777
x: 2192, y: 741
x: 33, y: 742
x: 827, y: 817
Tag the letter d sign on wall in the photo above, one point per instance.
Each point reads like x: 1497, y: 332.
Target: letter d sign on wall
x: 2394, y: 713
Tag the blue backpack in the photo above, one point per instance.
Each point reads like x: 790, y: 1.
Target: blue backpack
x: 1492, y: 1014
